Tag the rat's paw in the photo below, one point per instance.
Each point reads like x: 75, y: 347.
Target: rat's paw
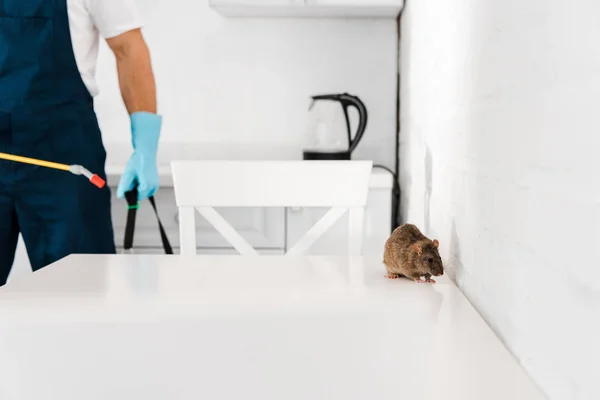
x: 392, y: 276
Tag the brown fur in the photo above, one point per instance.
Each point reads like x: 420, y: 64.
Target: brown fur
x: 408, y: 253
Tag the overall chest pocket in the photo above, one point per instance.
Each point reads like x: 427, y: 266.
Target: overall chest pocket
x: 26, y: 44
x: 25, y: 35
x: 26, y: 9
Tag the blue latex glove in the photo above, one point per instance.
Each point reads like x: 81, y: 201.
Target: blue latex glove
x: 141, y: 168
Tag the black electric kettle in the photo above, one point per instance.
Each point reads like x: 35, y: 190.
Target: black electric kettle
x: 329, y: 131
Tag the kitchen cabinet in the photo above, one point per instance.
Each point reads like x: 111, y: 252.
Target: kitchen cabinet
x: 309, y: 8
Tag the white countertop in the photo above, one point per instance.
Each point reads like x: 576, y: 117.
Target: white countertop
x: 231, y: 327
x: 118, y: 155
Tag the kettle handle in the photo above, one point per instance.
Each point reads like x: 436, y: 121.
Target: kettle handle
x: 348, y: 100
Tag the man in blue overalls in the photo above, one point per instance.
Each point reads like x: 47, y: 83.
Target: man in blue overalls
x: 48, y: 53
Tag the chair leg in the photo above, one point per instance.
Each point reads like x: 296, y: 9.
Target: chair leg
x: 356, y: 220
x: 187, y: 231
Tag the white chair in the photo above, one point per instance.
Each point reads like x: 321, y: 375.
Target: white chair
x: 202, y: 185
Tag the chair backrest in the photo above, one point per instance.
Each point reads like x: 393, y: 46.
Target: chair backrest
x: 202, y: 185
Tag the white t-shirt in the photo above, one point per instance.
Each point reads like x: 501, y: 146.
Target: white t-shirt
x: 90, y: 19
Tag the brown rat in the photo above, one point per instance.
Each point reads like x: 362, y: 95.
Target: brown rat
x: 408, y: 253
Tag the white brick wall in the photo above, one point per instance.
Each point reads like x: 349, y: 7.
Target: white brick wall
x: 500, y: 147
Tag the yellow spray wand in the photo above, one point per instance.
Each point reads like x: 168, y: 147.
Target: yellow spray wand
x: 74, y: 169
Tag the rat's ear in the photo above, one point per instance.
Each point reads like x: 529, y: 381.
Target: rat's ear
x: 436, y: 243
x: 417, y: 248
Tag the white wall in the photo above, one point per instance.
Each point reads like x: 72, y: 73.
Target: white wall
x: 247, y: 82
x: 500, y: 137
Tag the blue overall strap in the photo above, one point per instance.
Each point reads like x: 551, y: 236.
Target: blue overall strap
x: 132, y: 206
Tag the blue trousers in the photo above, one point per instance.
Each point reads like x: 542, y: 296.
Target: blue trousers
x: 57, y: 213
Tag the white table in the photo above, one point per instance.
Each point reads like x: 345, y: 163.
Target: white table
x: 166, y: 327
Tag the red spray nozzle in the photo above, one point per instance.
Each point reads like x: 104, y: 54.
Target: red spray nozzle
x: 96, y: 180
x: 93, y: 178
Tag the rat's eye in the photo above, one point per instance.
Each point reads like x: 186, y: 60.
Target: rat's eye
x: 430, y: 260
